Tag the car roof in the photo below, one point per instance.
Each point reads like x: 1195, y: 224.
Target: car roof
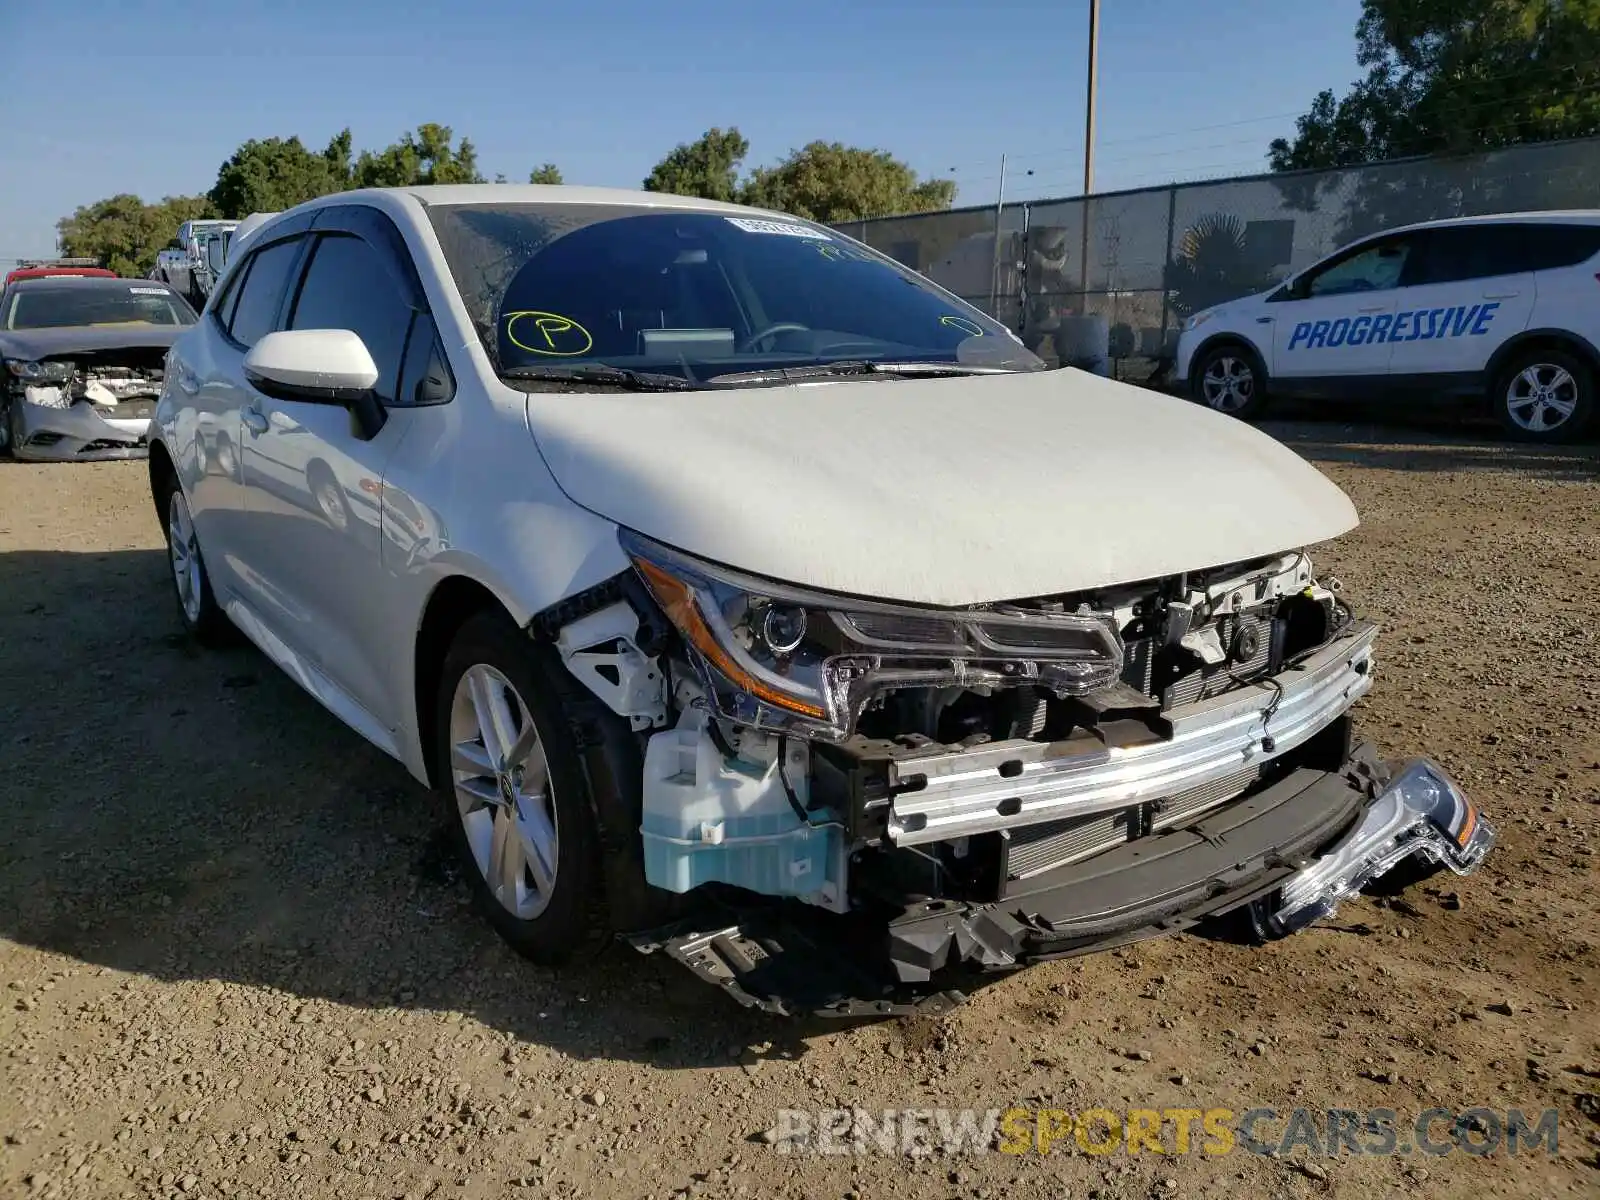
x: 1573, y: 216
x: 539, y: 193
x: 445, y: 195
x: 85, y: 281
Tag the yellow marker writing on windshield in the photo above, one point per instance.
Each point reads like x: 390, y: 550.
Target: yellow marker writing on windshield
x: 962, y: 324
x: 556, y: 335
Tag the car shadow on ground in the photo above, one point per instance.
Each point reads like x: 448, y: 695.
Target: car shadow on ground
x: 192, y: 815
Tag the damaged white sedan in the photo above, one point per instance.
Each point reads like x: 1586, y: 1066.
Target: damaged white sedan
x: 83, y: 365
x: 744, y: 594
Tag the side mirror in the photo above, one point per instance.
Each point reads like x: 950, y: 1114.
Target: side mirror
x: 215, y: 255
x: 319, y: 366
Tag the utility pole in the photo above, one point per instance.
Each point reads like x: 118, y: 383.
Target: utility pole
x: 1088, y: 140
x: 994, y: 273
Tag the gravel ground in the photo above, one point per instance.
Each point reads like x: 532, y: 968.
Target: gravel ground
x: 231, y: 964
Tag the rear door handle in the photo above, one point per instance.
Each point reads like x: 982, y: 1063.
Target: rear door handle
x: 1374, y: 308
x: 255, y: 420
x: 1263, y: 320
x: 1501, y: 295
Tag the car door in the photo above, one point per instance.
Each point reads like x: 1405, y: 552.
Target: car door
x: 209, y: 375
x: 313, y: 478
x: 1466, y: 290
x: 1329, y: 326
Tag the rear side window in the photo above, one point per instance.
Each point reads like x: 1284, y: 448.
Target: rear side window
x: 256, y: 311
x: 348, y: 286
x: 1457, y: 253
x: 1551, y: 247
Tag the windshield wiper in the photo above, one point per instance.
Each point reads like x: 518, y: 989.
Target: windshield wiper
x: 856, y: 367
x: 619, y: 377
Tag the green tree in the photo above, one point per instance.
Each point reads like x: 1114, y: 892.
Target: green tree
x: 1447, y: 76
x: 420, y: 157
x: 548, y: 173
x: 124, y: 232
x: 707, y: 167
x: 272, y: 174
x: 828, y: 181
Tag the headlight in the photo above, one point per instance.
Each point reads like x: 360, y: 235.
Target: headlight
x: 775, y: 656
x: 1199, y: 319
x: 39, y: 372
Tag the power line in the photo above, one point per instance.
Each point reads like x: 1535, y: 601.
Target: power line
x: 1548, y: 89
x: 1429, y: 144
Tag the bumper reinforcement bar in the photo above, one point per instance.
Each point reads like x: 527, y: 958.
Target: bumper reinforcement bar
x: 949, y: 794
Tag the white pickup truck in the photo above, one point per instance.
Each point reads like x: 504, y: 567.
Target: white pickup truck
x: 193, y: 263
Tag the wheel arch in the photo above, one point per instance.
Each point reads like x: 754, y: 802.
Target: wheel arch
x: 1225, y: 337
x: 453, y: 601
x: 1562, y: 339
x: 163, y: 471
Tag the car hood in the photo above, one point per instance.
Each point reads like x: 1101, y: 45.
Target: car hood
x: 34, y: 344
x: 939, y: 491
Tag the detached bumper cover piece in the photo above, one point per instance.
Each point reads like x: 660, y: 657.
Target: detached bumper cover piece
x: 1298, y: 845
x: 1420, y: 812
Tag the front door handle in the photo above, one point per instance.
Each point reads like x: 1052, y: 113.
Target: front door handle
x: 1501, y: 295
x: 255, y: 420
x: 1374, y: 308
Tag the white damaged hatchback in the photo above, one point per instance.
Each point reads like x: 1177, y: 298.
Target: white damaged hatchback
x: 745, y: 595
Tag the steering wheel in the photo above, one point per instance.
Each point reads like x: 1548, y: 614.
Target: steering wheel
x: 749, y: 343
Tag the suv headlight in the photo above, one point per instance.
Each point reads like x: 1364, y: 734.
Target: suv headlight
x: 39, y: 372
x: 776, y: 656
x: 1197, y: 320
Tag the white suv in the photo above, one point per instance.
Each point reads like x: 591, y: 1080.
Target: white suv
x: 740, y: 591
x: 1503, y: 308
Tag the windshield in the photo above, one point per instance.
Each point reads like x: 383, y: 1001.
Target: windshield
x: 697, y: 294
x: 81, y: 305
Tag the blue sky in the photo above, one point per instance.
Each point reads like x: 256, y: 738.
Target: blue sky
x: 107, y: 96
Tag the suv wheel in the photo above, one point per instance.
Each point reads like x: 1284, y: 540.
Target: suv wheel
x: 515, y: 794
x: 1545, y: 396
x: 197, y: 605
x: 1230, y: 380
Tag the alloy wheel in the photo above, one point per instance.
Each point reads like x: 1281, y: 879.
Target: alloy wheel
x: 1541, y: 398
x: 183, y: 549
x: 503, y: 791
x: 1228, y: 384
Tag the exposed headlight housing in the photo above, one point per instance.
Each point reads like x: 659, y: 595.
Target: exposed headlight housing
x: 39, y: 372
x: 780, y: 657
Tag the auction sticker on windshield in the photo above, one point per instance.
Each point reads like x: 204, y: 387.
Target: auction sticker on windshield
x: 146, y: 291
x: 751, y: 225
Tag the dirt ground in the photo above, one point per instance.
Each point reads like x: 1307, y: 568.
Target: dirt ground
x: 230, y: 964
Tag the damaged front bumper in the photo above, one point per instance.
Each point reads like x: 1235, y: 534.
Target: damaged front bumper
x: 1292, y: 849
x: 45, y: 426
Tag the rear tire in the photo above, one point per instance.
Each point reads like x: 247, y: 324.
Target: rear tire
x: 1230, y: 378
x: 1545, y: 395
x: 202, y: 616
x: 517, y: 800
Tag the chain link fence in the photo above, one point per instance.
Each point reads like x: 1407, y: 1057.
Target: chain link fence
x: 1141, y: 261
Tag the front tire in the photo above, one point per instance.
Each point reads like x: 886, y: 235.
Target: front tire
x: 1229, y: 378
x: 197, y: 604
x: 515, y: 795
x: 1545, y: 396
